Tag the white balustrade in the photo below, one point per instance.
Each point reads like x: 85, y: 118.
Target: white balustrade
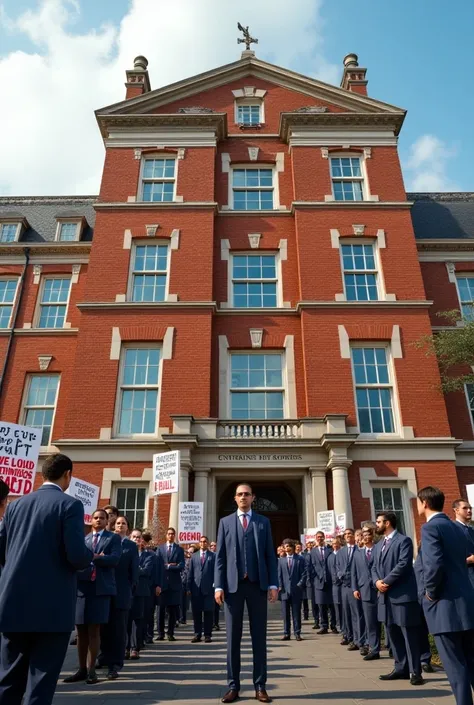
x: 259, y: 430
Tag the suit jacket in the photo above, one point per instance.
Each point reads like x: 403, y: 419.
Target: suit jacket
x: 41, y: 548
x: 292, y: 584
x: 172, y: 573
x: 111, y: 545
x: 126, y: 575
x: 146, y: 568
x: 395, y: 567
x: 200, y: 578
x: 319, y: 570
x: 159, y: 569
x: 469, y: 533
x: 336, y: 582
x: 443, y: 576
x: 342, y: 566
x: 226, y: 574
x: 361, y: 576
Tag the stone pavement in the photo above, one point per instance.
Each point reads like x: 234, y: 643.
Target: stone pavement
x: 315, y: 670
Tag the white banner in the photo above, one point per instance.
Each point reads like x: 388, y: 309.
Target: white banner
x: 166, y: 472
x: 327, y: 523
x: 340, y: 523
x: 19, y: 451
x: 191, y: 520
x: 470, y: 494
x: 87, y: 494
x: 309, y: 535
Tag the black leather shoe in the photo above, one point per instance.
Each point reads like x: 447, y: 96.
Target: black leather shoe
x: 322, y: 631
x: 364, y: 651
x: 112, y: 675
x: 262, y: 695
x: 230, y: 696
x: 315, y: 626
x: 299, y: 637
x: 285, y: 638
x: 196, y: 640
x: 371, y: 656
x: 344, y: 642
x: 334, y: 630
x: 161, y: 637
x: 427, y: 668
x: 171, y: 637
x: 77, y: 677
x: 216, y: 628
x: 416, y: 679
x: 395, y: 676
x: 352, y: 647
x: 207, y: 639
x: 92, y: 677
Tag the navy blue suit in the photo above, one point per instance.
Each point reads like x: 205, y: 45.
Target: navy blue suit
x: 352, y: 615
x: 398, y: 608
x: 200, y: 583
x: 93, y: 595
x: 41, y: 548
x: 450, y: 610
x: 469, y: 533
x: 361, y: 578
x: 246, y: 566
x: 336, y: 590
x: 319, y: 573
x: 171, y: 590
x: 292, y: 585
x: 146, y: 568
x: 156, y: 581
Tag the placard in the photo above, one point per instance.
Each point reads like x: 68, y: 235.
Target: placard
x: 340, y: 524
x: 327, y: 523
x: 470, y: 494
x: 166, y: 472
x: 19, y: 451
x: 87, y: 494
x: 190, y: 523
x: 309, y: 535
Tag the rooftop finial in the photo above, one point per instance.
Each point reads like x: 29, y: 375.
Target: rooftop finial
x: 247, y: 40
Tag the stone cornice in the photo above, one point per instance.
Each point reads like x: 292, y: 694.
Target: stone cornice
x: 347, y: 120
x: 400, y: 304
x: 44, y: 249
x: 350, y: 204
x: 144, y: 305
x: 445, y: 244
x: 165, y: 205
x: 208, y: 121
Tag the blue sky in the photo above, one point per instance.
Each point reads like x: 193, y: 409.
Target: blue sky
x: 68, y: 57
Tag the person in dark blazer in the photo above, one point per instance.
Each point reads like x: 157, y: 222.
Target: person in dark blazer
x: 96, y: 585
x: 170, y: 598
x: 184, y: 604
x: 113, y: 635
x: 319, y: 575
x: 41, y: 549
x: 463, y: 516
x: 292, y: 579
x: 148, y: 624
x: 310, y: 599
x: 336, y: 583
x: 423, y: 632
x: 136, y: 615
x: 364, y: 590
x: 398, y: 607
x: 353, y: 618
x: 217, y: 610
x: 200, y: 585
x: 448, y: 594
x: 246, y: 573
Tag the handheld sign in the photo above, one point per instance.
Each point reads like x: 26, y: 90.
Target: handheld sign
x: 87, y: 494
x: 327, y: 523
x: 191, y: 519
x: 166, y: 472
x: 19, y: 451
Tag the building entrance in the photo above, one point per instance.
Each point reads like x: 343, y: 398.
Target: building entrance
x: 275, y: 502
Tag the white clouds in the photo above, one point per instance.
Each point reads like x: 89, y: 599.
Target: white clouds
x: 50, y: 143
x: 427, y: 164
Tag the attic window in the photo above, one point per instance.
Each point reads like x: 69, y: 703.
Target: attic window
x: 10, y: 232
x: 249, y: 107
x: 68, y: 230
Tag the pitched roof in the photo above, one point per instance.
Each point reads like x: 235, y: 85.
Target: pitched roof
x: 41, y: 213
x: 448, y: 216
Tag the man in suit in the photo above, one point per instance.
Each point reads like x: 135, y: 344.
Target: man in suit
x: 448, y: 595
x: 364, y: 590
x: 463, y: 516
x: 217, y: 610
x: 200, y: 585
x: 245, y: 574
x: 41, y: 548
x: 112, y: 514
x: 319, y: 575
x: 398, y: 608
x: 292, y: 578
x: 142, y: 591
x: 336, y: 583
x: 353, y: 618
x: 170, y: 598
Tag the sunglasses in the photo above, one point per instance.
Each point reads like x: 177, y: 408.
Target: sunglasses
x: 244, y: 494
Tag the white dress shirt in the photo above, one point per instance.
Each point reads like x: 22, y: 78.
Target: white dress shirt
x: 47, y: 482
x: 433, y: 515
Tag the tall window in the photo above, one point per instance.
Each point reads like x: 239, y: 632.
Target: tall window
x: 248, y: 114
x: 53, y: 305
x: 8, y: 232
x: 469, y: 389
x: 466, y: 296
x: 7, y: 300
x: 139, y: 391
x: 390, y: 499
x: 360, y: 272
x: 253, y: 189
x: 68, y: 232
x: 256, y: 390
x: 150, y: 266
x: 347, y: 181
x: 158, y: 179
x: 131, y: 501
x: 40, y: 404
x: 374, y: 390
x: 254, y: 281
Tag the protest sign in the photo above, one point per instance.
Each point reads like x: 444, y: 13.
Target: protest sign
x: 470, y: 494
x: 327, y: 523
x: 19, y: 451
x: 166, y: 472
x: 191, y: 519
x: 340, y: 524
x: 87, y: 494
x: 309, y: 535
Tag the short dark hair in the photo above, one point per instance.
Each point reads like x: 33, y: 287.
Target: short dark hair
x: 288, y: 542
x: 122, y: 516
x: 349, y: 528
x: 147, y: 536
x: 457, y: 502
x: 135, y: 528
x: 298, y: 543
x: 433, y: 497
x: 4, y: 490
x: 320, y: 533
x: 100, y: 509
x: 170, y: 528
x: 204, y: 537
x: 113, y: 509
x: 244, y: 484
x: 390, y: 517
x: 55, y: 466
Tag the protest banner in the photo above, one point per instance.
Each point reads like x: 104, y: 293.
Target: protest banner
x: 190, y: 523
x: 309, y: 535
x: 166, y: 472
x: 470, y: 494
x: 340, y: 524
x: 19, y: 451
x: 327, y: 523
x: 87, y: 494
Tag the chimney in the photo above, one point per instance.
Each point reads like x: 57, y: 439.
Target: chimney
x: 138, y: 81
x: 353, y: 78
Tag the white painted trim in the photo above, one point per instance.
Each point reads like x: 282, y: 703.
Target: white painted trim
x: 406, y: 481
x: 364, y: 180
x: 291, y: 404
x: 76, y: 270
x: 445, y: 255
x: 120, y: 298
x: 127, y: 239
x: 174, y: 239
x: 16, y: 279
x: 165, y: 138
x: 223, y: 376
x: 60, y: 221
x: 329, y: 137
x: 283, y: 246
x: 24, y: 397
x: 115, y: 344
x: 105, y: 434
x: 275, y: 184
x: 229, y: 304
x: 168, y: 341
x: 252, y: 99
x: 158, y: 155
x: 225, y: 162
x: 470, y: 413
x: 37, y: 269
x: 37, y: 313
x: 225, y: 250
x: 131, y: 268
x: 344, y: 343
x: 396, y: 343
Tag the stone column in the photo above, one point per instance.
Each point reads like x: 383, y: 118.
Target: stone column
x: 341, y: 493
x: 212, y: 509
x: 201, y: 493
x: 319, y: 490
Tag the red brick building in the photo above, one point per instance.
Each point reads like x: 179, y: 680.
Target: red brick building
x: 247, y: 288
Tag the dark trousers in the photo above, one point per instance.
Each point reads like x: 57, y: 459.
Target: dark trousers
x: 291, y: 607
x: 134, y: 633
x: 217, y: 612
x: 197, y: 605
x: 251, y: 595
x: 113, y: 638
x: 358, y: 622
x: 405, y: 644
x: 315, y: 611
x: 456, y: 651
x: 30, y: 666
x: 347, y: 597
x: 372, y: 627
x: 425, y: 647
x: 327, y: 615
x: 338, y: 611
x: 150, y: 618
x: 172, y: 616
x: 184, y: 606
x: 149, y: 608
x: 305, y: 608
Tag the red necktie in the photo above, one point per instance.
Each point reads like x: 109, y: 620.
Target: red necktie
x: 95, y: 541
x: 245, y: 522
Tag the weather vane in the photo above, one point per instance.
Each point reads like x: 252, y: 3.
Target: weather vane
x: 247, y: 40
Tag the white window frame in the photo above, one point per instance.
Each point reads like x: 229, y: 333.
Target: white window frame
x: 278, y: 268
x: 142, y: 180
x: 118, y: 396
x: 284, y: 379
x: 18, y: 225
x: 397, y: 422
x: 470, y: 410
x: 378, y: 264
x: 131, y: 273
x: 458, y: 276
x: 24, y: 407
x: 362, y: 179
x: 274, y: 187
x: 249, y: 101
x: 61, y: 222
x: 407, y: 510
x: 16, y: 279
x: 39, y: 304
x: 132, y: 486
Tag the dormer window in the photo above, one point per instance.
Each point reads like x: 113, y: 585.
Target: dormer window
x: 9, y: 232
x: 248, y: 114
x: 249, y: 107
x: 68, y: 230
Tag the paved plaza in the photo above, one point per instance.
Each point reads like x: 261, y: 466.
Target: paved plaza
x: 317, y: 669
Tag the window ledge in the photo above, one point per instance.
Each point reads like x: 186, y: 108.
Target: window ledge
x: 351, y: 204
x: 363, y: 304
x: 229, y: 211
x: 46, y: 331
x: 156, y: 204
x: 146, y: 304
x: 275, y: 311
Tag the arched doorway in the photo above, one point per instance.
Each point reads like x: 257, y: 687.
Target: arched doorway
x: 275, y: 502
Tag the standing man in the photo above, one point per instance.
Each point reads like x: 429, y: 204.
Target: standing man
x: 364, y: 591
x: 291, y: 583
x: 354, y: 625
x: 448, y: 595
x: 200, y: 585
x: 398, y: 608
x: 170, y: 598
x: 41, y: 548
x: 217, y: 609
x: 146, y: 567
x: 112, y: 514
x: 245, y: 574
x: 336, y: 582
x: 463, y: 516
x: 320, y: 576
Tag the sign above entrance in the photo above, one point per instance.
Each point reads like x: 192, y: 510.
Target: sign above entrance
x: 166, y: 472
x: 258, y: 457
